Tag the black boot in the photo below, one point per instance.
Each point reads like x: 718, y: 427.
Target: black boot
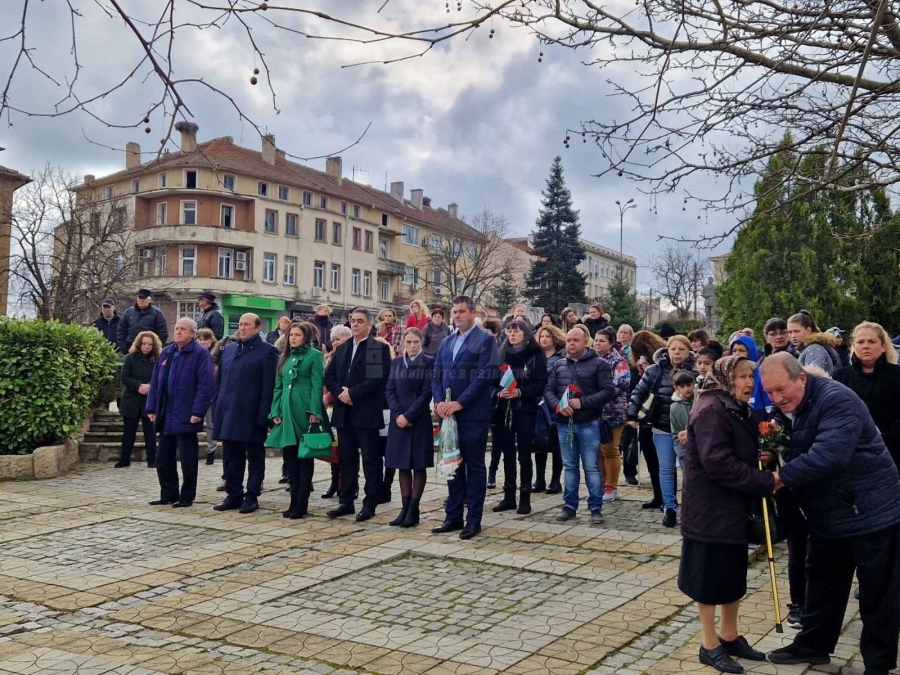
x: 492, y: 479
x: 299, y: 503
x: 524, y: 502
x: 402, y: 515
x: 540, y: 470
x: 508, y: 503
x: 335, y: 478
x: 412, y: 514
x: 210, y: 458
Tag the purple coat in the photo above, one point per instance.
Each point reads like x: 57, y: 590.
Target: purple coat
x: 193, y: 383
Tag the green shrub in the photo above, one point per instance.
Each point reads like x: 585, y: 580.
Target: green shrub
x: 50, y: 374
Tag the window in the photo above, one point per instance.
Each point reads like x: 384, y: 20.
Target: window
x: 354, y: 281
x: 385, y: 290
x: 119, y: 216
x: 190, y: 179
x: 320, y: 229
x: 472, y: 250
x: 111, y: 192
x: 95, y: 224
x: 226, y: 256
x: 161, y: 261
x: 410, y: 235
x: 436, y: 242
x: 189, y: 309
x: 136, y: 185
x: 284, y: 192
x: 161, y: 213
x: 228, y: 182
x: 411, y: 276
x: 187, y: 261
x: 457, y: 247
x: 262, y: 189
x: 290, y: 224
x: 370, y: 241
x: 307, y: 199
x: 189, y: 213
x: 344, y: 208
x: 437, y: 285
x: 271, y: 221
x: 323, y: 202
x: 269, y: 265
x: 357, y: 238
x: 290, y: 270
x: 226, y: 216
x: 335, y: 277
x: 385, y: 220
x: 336, y: 234
x: 356, y: 211
x: 319, y: 274
x: 162, y: 179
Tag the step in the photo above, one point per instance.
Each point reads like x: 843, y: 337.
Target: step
x: 111, y: 452
x: 116, y: 436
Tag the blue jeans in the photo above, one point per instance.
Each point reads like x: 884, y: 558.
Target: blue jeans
x: 581, y: 442
x: 665, y: 451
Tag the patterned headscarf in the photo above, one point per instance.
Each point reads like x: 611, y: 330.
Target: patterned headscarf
x: 721, y: 376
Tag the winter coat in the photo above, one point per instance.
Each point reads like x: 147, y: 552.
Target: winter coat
x: 657, y: 379
x: 880, y: 391
x: 137, y: 369
x: 297, y: 395
x: 273, y: 335
x: 393, y: 335
x: 760, y: 401
x: 212, y: 318
x: 721, y: 478
x: 594, y: 325
x: 136, y: 320
x: 109, y: 328
x: 432, y: 336
x: 470, y: 376
x: 420, y: 322
x: 614, y: 411
x: 818, y: 350
x: 843, y: 353
x: 592, y: 375
x: 324, y: 324
x: 767, y: 351
x: 679, y: 413
x: 244, y: 390
x: 177, y: 396
x: 837, y: 461
x: 365, y: 378
x: 409, y: 394
x: 529, y: 367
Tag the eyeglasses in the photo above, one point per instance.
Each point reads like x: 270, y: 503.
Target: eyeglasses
x: 776, y: 333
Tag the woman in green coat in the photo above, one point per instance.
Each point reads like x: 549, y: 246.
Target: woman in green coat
x: 297, y: 404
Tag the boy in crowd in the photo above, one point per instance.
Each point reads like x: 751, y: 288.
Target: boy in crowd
x: 682, y: 400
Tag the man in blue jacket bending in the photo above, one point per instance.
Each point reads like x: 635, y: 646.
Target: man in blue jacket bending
x: 849, y: 490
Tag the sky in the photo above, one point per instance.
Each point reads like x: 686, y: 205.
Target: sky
x: 476, y: 122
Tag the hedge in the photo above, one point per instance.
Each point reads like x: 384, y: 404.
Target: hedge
x: 50, y: 375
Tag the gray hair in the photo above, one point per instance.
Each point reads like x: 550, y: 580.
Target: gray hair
x: 787, y: 362
x: 191, y: 323
x: 339, y: 332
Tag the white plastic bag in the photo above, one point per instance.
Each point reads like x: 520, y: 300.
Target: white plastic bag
x: 449, y: 458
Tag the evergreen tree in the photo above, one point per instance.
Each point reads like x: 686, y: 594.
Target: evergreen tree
x: 621, y: 304
x: 554, y: 280
x: 506, y: 294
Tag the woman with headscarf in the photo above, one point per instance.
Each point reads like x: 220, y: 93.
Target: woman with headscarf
x: 721, y: 483
x: 760, y: 403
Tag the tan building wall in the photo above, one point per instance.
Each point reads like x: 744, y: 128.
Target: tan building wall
x: 10, y: 181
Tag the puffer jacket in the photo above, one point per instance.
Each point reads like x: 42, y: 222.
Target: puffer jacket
x: 657, y: 379
x: 530, y: 370
x: 838, y: 463
x: 818, y: 350
x: 614, y: 411
x: 592, y: 375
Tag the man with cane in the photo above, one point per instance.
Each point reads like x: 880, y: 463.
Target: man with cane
x: 849, y: 490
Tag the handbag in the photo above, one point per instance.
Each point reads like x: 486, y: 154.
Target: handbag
x: 646, y: 409
x: 315, y: 444
x: 756, y: 524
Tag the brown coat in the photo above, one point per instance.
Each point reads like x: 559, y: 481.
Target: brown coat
x: 721, y: 478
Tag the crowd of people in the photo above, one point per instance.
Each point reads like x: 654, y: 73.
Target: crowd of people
x: 586, y: 395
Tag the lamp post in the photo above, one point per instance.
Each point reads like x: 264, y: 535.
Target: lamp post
x: 622, y: 209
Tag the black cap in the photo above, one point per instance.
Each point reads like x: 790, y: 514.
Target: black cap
x: 208, y: 295
x: 144, y: 293
x: 108, y: 302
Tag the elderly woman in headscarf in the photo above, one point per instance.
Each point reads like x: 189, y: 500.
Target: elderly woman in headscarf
x: 760, y: 403
x: 722, y: 483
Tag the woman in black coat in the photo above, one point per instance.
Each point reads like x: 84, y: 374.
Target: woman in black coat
x: 137, y: 369
x: 410, y: 446
x: 721, y: 485
x: 514, y: 415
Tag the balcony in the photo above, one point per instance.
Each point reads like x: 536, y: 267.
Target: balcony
x: 194, y: 234
x: 391, y: 267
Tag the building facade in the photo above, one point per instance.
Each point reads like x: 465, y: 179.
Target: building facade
x: 10, y: 181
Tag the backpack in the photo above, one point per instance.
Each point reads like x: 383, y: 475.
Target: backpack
x: 543, y: 424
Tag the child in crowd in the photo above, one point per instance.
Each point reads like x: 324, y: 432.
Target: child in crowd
x: 682, y: 400
x: 705, y: 359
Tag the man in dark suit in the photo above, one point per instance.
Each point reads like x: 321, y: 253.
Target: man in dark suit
x: 356, y: 377
x: 245, y: 386
x: 467, y: 365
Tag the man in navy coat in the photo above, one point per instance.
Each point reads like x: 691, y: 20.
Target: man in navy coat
x: 244, y: 389
x: 466, y: 364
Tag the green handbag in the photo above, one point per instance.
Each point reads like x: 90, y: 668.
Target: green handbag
x: 315, y: 444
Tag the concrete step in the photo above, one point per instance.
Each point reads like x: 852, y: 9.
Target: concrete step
x: 111, y: 452
x: 115, y: 436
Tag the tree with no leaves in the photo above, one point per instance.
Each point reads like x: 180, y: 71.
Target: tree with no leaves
x: 679, y: 277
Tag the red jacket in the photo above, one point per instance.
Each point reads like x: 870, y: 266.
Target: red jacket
x: 413, y: 322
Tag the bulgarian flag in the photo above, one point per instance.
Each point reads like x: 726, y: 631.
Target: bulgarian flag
x: 564, y: 401
x: 437, y: 435
x: 507, y: 379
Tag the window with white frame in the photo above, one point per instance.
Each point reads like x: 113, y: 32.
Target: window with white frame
x: 160, y: 258
x: 226, y: 263
x: 385, y: 289
x: 290, y: 270
x: 411, y: 277
x: 228, y: 181
x: 187, y: 261
x: 367, y: 284
x: 436, y: 243
x: 335, y: 277
x: 411, y: 235
x: 271, y: 221
x: 354, y: 281
x: 262, y: 189
x: 319, y: 274
x: 307, y: 199
x: 385, y: 220
x: 290, y: 224
x: 191, y: 310
x: 162, y: 179
x: 190, y: 179
x: 226, y: 216
x: 189, y: 213
x: 284, y: 193
x: 437, y: 282
x: 457, y: 247
x: 269, y: 265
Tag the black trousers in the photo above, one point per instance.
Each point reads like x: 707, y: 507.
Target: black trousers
x: 629, y: 459
x: 253, y: 455
x: 129, y: 433
x: 468, y: 486
x: 516, y: 440
x: 648, y: 448
x: 797, y: 539
x: 351, y: 444
x: 876, y: 560
x: 188, y: 447
x: 300, y: 475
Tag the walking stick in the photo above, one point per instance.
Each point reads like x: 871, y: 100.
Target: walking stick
x: 765, y: 508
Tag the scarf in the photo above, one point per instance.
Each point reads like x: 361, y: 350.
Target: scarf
x: 721, y: 375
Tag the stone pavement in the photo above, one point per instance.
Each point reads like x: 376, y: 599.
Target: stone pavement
x: 94, y: 581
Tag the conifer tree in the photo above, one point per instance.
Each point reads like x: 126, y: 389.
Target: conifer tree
x: 621, y: 304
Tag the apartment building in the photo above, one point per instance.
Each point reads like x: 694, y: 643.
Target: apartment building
x: 10, y: 181
x: 268, y: 235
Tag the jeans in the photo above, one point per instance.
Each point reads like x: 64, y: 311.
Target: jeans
x: 469, y: 484
x: 129, y: 433
x: 166, y: 470
x: 240, y: 454
x: 612, y: 460
x: 665, y: 452
x: 581, y: 442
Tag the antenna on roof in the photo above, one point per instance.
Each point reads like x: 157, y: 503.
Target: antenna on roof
x: 357, y: 170
x: 385, y: 180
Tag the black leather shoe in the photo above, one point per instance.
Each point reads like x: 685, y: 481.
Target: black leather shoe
x: 631, y: 480
x: 161, y: 502
x: 469, y: 531
x: 228, y: 505
x: 341, y: 510
x: 121, y: 465
x: 670, y: 519
x: 283, y: 480
x: 331, y: 491
x: 718, y: 658
x: 249, y: 506
x: 182, y: 505
x: 794, y: 653
x: 365, y: 513
x: 210, y: 458
x: 554, y: 488
x: 151, y: 465
x: 538, y: 487
x: 652, y: 505
x: 740, y: 648
x: 448, y: 526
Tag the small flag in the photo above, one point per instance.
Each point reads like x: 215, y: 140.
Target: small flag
x: 508, y: 380
x: 564, y: 401
x: 437, y: 435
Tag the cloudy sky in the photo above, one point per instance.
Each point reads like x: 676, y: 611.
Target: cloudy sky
x: 476, y: 122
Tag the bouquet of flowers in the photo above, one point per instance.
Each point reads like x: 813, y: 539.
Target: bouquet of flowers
x: 571, y: 392
x: 772, y: 437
